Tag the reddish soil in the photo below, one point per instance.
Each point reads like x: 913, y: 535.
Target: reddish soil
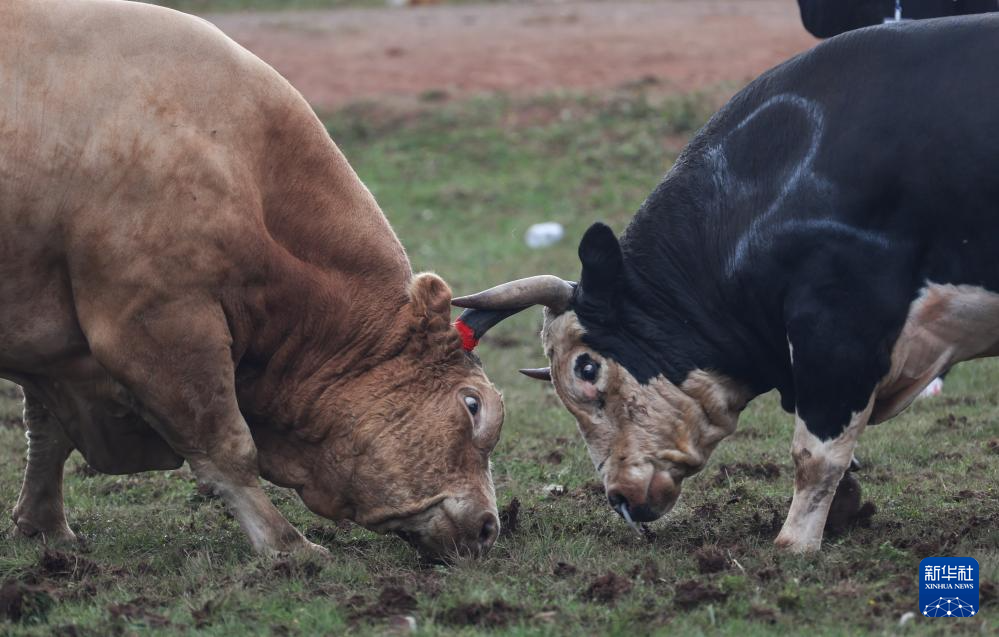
x: 338, y: 57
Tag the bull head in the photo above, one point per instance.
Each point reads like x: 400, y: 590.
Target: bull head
x: 644, y: 437
x: 409, y: 449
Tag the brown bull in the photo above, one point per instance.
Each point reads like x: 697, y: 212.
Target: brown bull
x: 191, y: 271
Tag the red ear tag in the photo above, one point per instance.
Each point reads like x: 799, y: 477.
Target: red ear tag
x: 468, y: 340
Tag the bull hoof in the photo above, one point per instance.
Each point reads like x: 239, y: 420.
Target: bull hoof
x: 796, y: 545
x: 301, y: 549
x: 57, y: 536
x: 308, y: 548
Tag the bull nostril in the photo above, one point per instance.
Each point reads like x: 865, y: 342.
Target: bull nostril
x: 488, y: 532
x: 616, y: 499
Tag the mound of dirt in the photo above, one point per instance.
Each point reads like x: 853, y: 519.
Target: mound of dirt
x: 138, y: 611
x: 495, y: 614
x: 607, y: 588
x: 710, y: 559
x: 763, y: 614
x: 294, y: 568
x: 22, y: 602
x: 508, y: 517
x: 693, y: 593
x: 392, y: 601
x: 59, y: 565
x: 993, y: 445
x: 564, y: 569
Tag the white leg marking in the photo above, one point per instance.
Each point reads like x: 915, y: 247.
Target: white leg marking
x: 818, y: 468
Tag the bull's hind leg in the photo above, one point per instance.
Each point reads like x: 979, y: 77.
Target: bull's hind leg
x: 176, y: 361
x: 39, y: 511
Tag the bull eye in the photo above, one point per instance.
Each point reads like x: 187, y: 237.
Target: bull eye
x: 472, y: 404
x: 587, y: 368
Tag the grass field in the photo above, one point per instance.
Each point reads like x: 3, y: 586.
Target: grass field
x: 461, y: 183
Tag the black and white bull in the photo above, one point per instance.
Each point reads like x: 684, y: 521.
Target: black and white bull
x: 833, y: 232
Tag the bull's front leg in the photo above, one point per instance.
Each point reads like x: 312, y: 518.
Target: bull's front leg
x: 176, y: 361
x: 819, y: 465
x: 39, y: 512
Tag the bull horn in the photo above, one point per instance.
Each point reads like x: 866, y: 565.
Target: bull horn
x: 543, y: 289
x: 473, y: 324
x: 541, y: 373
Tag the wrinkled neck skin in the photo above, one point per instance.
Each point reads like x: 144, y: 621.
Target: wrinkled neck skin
x: 327, y: 306
x: 311, y: 437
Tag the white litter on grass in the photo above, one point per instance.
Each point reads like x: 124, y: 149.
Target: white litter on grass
x: 555, y: 489
x: 935, y: 388
x: 542, y: 235
x: 906, y: 618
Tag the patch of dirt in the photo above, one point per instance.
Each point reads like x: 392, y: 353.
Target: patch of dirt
x: 768, y: 527
x: 993, y: 445
x: 23, y: 602
x: 508, y: 518
x: 520, y: 48
x: 762, y: 471
x: 555, y: 456
x: 767, y: 573
x: 56, y: 564
x: 950, y: 421
x: 563, y: 570
x: 324, y: 534
x: 591, y: 490
x: 606, y: 589
x: 694, y: 593
x: 967, y: 494
x: 205, y: 616
x: 647, y: 572
x: 495, y: 614
x: 297, y: 568
x: 393, y: 600
x: 763, y: 614
x: 988, y: 594
x: 137, y: 611
x: 710, y: 559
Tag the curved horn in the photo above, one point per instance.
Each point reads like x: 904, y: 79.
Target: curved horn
x: 543, y: 289
x: 542, y: 373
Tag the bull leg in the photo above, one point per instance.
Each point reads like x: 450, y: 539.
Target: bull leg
x: 39, y: 511
x: 177, y: 363
x: 818, y: 468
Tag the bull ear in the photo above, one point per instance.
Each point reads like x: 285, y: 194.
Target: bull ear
x: 603, y: 264
x: 430, y: 296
